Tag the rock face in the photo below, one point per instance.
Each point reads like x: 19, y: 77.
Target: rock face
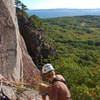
x: 9, y: 92
x: 34, y: 34
x: 15, y: 63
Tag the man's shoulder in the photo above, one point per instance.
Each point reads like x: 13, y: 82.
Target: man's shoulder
x: 60, y: 77
x: 59, y: 80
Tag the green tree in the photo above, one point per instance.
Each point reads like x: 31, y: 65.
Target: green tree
x: 23, y: 7
x: 35, y: 22
x: 17, y: 3
x: 20, y: 5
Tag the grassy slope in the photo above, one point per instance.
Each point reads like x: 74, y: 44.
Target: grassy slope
x: 77, y: 41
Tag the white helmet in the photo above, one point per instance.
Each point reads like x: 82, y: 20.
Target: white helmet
x: 47, y: 68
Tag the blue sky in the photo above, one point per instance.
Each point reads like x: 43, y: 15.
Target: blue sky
x: 49, y: 4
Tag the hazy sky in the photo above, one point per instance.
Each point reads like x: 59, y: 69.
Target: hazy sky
x: 49, y: 4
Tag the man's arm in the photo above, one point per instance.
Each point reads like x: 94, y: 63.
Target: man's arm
x: 43, y: 97
x: 43, y: 90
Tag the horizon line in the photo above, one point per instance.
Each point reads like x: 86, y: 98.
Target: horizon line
x: 64, y: 8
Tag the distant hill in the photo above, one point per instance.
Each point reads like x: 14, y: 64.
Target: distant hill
x: 50, y: 13
x: 77, y: 43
